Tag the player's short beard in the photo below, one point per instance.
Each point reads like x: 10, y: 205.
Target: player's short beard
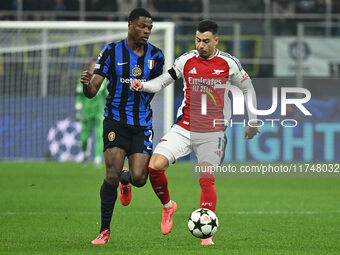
x: 208, y: 53
x: 204, y: 55
x: 141, y: 43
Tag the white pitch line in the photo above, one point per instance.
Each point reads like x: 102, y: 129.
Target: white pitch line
x: 8, y: 213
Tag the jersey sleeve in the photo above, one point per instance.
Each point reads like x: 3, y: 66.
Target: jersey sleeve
x: 103, y: 64
x: 159, y: 64
x: 238, y: 74
x: 103, y: 93
x: 241, y: 79
x: 176, y: 71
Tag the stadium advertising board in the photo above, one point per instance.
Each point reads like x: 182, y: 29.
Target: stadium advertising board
x: 319, y: 56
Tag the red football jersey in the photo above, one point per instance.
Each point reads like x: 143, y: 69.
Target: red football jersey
x: 206, y: 89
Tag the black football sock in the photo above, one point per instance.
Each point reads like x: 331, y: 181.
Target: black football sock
x: 108, y: 196
x: 125, y: 177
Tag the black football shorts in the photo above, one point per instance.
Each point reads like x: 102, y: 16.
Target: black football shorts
x: 132, y: 139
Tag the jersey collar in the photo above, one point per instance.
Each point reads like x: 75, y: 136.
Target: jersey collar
x: 132, y: 52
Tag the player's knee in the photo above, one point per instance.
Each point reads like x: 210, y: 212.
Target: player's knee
x: 112, y: 177
x: 139, y: 179
x: 158, y: 162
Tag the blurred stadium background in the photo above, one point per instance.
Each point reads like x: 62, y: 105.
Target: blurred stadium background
x: 49, y: 207
x: 279, y: 43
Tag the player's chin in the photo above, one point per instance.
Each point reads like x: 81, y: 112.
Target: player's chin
x: 203, y: 55
x: 144, y: 40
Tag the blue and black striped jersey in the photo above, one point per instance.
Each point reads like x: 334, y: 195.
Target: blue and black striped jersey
x: 120, y: 65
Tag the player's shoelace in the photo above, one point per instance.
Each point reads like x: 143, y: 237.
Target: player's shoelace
x: 126, y: 189
x: 101, y: 236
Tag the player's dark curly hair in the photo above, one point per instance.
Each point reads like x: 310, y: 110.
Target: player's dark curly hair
x: 207, y: 25
x: 138, y: 12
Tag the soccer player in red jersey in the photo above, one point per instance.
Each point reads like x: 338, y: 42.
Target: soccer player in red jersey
x: 209, y: 71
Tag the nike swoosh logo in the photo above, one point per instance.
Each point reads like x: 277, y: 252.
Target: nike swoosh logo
x: 120, y: 64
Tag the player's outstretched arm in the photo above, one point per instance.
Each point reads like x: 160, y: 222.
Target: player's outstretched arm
x: 91, y: 83
x: 250, y: 95
x: 250, y: 98
x: 153, y: 85
x: 242, y: 80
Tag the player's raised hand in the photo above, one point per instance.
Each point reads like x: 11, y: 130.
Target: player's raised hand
x: 136, y: 85
x: 85, y: 78
x: 250, y: 132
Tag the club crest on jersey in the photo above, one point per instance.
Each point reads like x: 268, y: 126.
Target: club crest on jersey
x: 111, y: 136
x: 217, y: 72
x: 136, y: 71
x: 151, y: 64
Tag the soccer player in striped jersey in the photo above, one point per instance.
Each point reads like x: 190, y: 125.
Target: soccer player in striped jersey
x: 127, y: 127
x: 205, y: 71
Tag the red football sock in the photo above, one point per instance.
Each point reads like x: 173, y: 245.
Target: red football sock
x: 159, y: 184
x: 208, y: 192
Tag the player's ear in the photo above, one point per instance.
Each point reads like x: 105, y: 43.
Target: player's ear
x: 216, y: 40
x: 130, y: 24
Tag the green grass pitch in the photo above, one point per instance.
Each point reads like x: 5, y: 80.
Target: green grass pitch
x: 53, y: 208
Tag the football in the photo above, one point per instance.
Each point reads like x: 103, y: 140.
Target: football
x: 203, y: 223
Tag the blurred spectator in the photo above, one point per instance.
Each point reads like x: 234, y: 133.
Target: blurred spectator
x: 284, y: 9
x: 336, y: 6
x: 32, y: 5
x: 256, y: 5
x: 179, y: 6
x: 72, y: 5
x: 125, y: 6
x: 166, y: 5
x: 7, y: 6
x: 192, y: 6
x: 109, y: 5
x: 150, y: 6
x: 59, y: 6
x: 311, y: 6
x: 306, y: 6
x: 182, y: 6
x: 336, y: 10
x: 320, y: 6
x: 93, y: 5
